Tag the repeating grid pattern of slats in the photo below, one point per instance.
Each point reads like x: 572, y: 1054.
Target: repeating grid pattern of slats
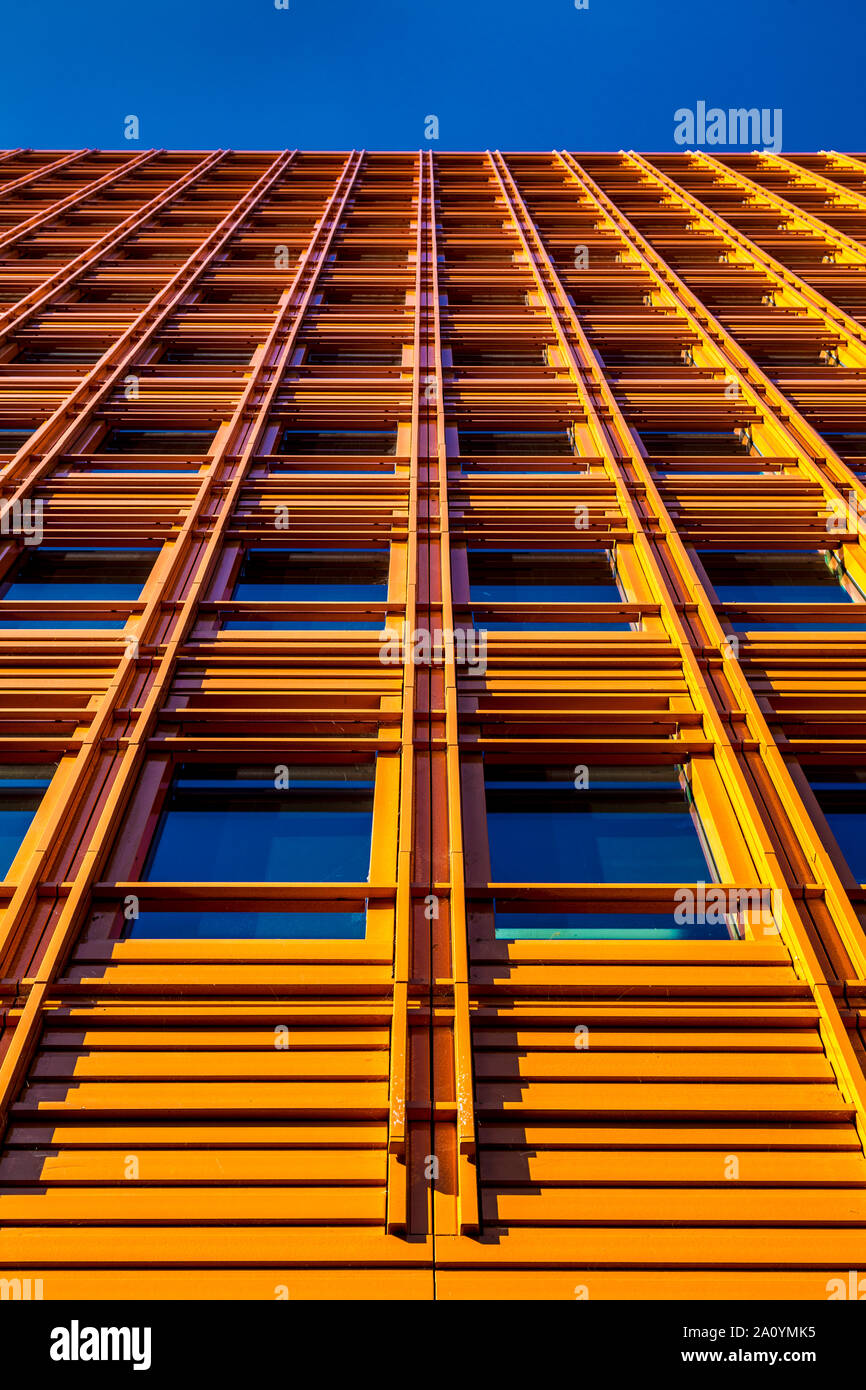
x: 436, y: 359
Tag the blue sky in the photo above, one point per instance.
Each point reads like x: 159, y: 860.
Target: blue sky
x: 333, y: 74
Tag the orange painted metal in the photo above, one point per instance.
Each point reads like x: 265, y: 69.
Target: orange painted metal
x: 433, y: 1128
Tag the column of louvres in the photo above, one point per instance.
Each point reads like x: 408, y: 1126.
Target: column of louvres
x: 679, y: 1143
x: 197, y: 1075
x: 71, y: 678
x: 800, y: 221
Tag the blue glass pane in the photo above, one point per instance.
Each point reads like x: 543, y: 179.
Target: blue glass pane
x: 829, y: 626
x: 543, y: 576
x: 831, y: 592
x: 262, y: 926
x: 553, y: 624
x: 61, y: 623
x: 219, y: 825
x: 493, y: 443
x: 331, y: 470
x: 292, y: 592
x: 801, y: 576
x: 129, y: 441
x: 14, y: 823
x: 21, y: 592
x: 526, y: 591
x: 612, y: 831
x: 848, y: 830
x: 300, y: 625
x: 337, y: 441
x: 841, y: 794
x: 20, y: 796
x: 595, y: 926
x: 467, y: 470
x: 54, y: 574
x: 712, y: 442
x: 276, y: 576
x: 698, y: 470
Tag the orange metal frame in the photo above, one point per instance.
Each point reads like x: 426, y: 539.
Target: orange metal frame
x: 432, y: 1129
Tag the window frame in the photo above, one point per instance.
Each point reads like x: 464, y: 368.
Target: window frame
x: 717, y: 828
x: 134, y: 839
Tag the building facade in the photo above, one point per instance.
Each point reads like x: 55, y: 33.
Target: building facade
x: 433, y: 781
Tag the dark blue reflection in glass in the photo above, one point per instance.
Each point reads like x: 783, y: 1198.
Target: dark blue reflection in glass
x: 260, y: 926
x: 143, y: 472
x: 597, y: 926
x: 21, y: 790
x: 12, y: 440
x: 698, y: 443
x: 801, y: 576
x: 507, y: 443
x: 547, y: 623
x: 841, y: 794
x: 128, y: 441
x: 224, y: 824
x: 61, y: 622
x: 31, y: 623
x: 301, y: 625
x: 831, y: 592
x: 276, y: 470
x: 629, y: 825
x: 282, y: 576
x: 829, y: 628
x: 564, y: 469
x: 543, y: 576
x: 55, y: 574
x: 371, y: 442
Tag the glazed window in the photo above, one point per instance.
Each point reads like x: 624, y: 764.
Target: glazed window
x: 352, y: 255
x: 332, y: 576
x: 12, y: 440
x: 21, y: 790
x: 353, y: 357
x: 108, y: 294
x: 697, y: 442
x: 544, y: 577
x: 496, y: 298
x: 122, y: 441
x: 618, y: 358
x: 498, y: 443
x: 793, y: 576
x: 841, y: 794
x: 280, y: 575
x: 147, y: 469
x: 363, y: 296
x: 851, y: 444
x: 37, y: 353
x: 785, y: 577
x: 317, y: 925
x: 371, y: 442
x: 545, y: 924
x: 489, y: 357
x: 182, y: 355
x: 625, y: 825
x: 223, y: 823
x: 219, y: 294
x: 56, y: 574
